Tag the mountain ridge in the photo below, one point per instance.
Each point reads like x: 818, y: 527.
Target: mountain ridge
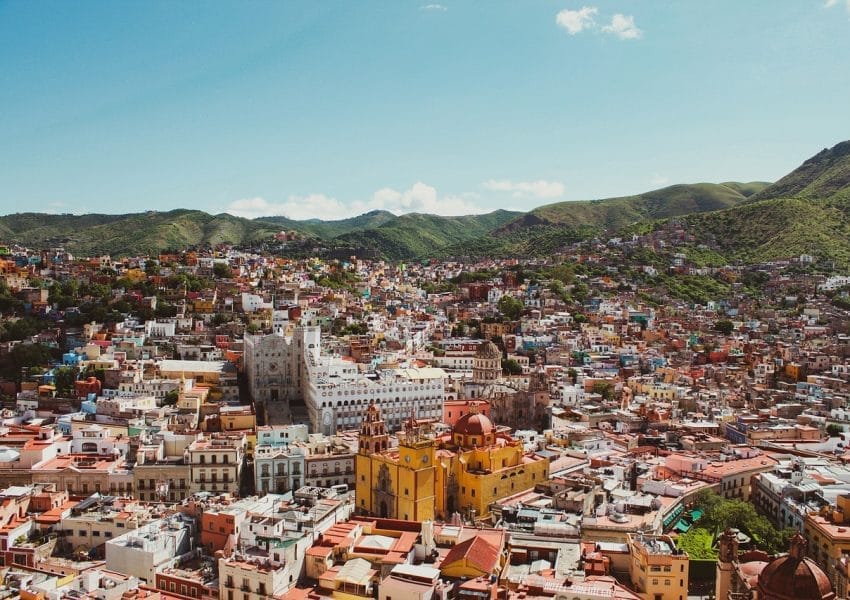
x: 806, y: 211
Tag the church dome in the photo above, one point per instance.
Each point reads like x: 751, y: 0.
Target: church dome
x: 793, y: 577
x: 474, y: 424
x: 474, y: 429
x: 488, y: 350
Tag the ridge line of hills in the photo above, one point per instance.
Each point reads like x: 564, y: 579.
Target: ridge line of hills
x: 806, y: 211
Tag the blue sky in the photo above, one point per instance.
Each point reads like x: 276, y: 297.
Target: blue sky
x: 329, y: 109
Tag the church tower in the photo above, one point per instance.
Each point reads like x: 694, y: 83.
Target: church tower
x: 417, y: 455
x: 487, y: 363
x: 726, y: 564
x: 373, y: 432
x: 372, y: 441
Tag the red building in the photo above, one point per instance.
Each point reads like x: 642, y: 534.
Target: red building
x: 453, y: 410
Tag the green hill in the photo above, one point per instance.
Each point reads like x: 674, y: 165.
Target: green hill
x: 747, y: 189
x: 328, y: 229
x: 805, y: 212
x: 614, y: 213
x: 549, y: 228
x: 778, y: 229
x: 139, y: 233
x: 407, y: 236
x: 825, y: 175
x: 418, y: 235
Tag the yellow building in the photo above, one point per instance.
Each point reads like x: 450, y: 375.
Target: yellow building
x: 397, y: 483
x: 658, y: 570
x: 827, y: 534
x: 462, y: 472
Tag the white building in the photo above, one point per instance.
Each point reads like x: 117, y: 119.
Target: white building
x: 290, y: 377
x: 95, y: 439
x: 144, y: 551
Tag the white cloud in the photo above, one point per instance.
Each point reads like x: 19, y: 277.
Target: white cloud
x: 434, y: 7
x: 420, y: 197
x: 523, y: 189
x: 295, y: 207
x: 623, y: 26
x: 54, y: 207
x: 832, y: 3
x: 659, y: 180
x: 576, y: 21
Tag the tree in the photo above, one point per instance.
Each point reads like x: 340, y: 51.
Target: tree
x: 222, y: 271
x: 171, y: 398
x: 604, y: 389
x: 26, y: 356
x: 511, y: 367
x: 510, y: 307
x: 20, y: 329
x: 724, y: 326
x: 834, y: 430
x: 63, y: 379
x: 459, y: 330
x: 721, y: 513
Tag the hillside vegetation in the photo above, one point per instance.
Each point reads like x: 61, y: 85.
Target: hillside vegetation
x: 805, y: 212
x: 418, y: 235
x: 825, y: 175
x: 329, y: 229
x: 140, y: 233
x: 550, y: 228
x: 676, y: 200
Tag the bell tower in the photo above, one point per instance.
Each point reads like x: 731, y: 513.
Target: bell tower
x: 372, y: 442
x: 725, y: 564
x: 373, y: 432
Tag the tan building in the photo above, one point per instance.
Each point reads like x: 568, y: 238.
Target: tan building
x: 658, y: 570
x: 215, y: 461
x: 91, y: 525
x: 247, y: 578
x: 83, y: 474
x: 168, y: 480
x: 827, y: 535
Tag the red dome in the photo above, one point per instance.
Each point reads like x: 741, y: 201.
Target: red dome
x: 474, y: 424
x: 794, y: 577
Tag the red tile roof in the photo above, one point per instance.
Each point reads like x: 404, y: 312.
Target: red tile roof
x: 477, y: 551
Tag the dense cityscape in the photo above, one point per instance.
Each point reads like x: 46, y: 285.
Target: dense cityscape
x: 424, y: 300
x: 228, y: 423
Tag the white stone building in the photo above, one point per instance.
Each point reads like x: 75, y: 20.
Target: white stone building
x: 143, y: 551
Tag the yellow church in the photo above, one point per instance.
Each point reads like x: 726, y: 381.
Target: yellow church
x: 434, y: 477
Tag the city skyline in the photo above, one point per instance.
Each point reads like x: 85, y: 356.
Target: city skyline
x: 336, y: 109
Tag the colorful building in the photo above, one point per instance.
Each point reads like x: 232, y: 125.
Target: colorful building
x: 427, y: 476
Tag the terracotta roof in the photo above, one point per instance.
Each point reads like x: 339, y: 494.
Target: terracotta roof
x: 477, y: 551
x: 793, y: 577
x: 474, y: 424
